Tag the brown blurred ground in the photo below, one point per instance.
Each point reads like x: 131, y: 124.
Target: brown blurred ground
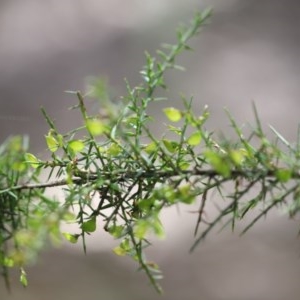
x: 249, y: 53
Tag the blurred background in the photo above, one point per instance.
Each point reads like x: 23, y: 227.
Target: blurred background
x: 249, y: 53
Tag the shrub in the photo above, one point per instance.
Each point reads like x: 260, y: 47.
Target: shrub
x: 115, y: 169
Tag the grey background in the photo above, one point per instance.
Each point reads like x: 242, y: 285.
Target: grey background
x: 250, y: 52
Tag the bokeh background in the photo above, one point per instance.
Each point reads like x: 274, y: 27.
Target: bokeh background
x: 249, y: 53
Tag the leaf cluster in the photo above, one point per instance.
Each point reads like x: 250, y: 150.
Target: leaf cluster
x: 117, y: 174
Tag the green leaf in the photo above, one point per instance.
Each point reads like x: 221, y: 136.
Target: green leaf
x: 32, y: 160
x: 90, y: 225
x: 76, y: 146
x: 170, y: 145
x: 150, y: 148
x: 123, y: 249
x: 167, y: 193
x: 147, y: 204
x: 157, y: 228
x: 183, y: 165
x: 119, y: 251
x: 95, y: 127
x: 69, y: 217
x: 116, y: 231
x: 52, y: 142
x: 23, y: 278
x: 141, y: 228
x: 218, y: 162
x: 114, y: 149
x: 72, y: 238
x: 174, y: 129
x: 60, y: 140
x: 132, y: 121
x: 186, y: 195
x: 173, y: 114
x: 8, y: 262
x: 19, y: 166
x: 283, y: 175
x: 237, y: 156
x: 194, y: 139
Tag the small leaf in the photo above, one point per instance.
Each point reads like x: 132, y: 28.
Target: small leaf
x: 8, y: 262
x: 23, y: 278
x: 114, y: 150
x: 102, y: 149
x: 141, y: 228
x: 72, y: 238
x: 123, y: 248
x: 76, y: 145
x: 52, y: 143
x: 237, y: 156
x: 19, y: 166
x: 158, y: 228
x: 32, y: 160
x: 95, y: 127
x: 174, y: 129
x: 60, y: 140
x: 119, y: 251
x: 218, y: 162
x: 116, y: 231
x: 150, y: 148
x: 183, y: 165
x: 283, y: 175
x: 90, y: 225
x: 173, y: 114
x: 69, y: 217
x: 186, y: 195
x: 132, y: 121
x: 194, y: 139
x: 170, y: 145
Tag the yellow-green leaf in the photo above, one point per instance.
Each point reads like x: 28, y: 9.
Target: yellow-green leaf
x: 158, y: 228
x: 8, y: 262
x: 119, y: 251
x: 194, y: 139
x: 237, y: 156
x: 283, y: 175
x: 60, y: 140
x: 173, y: 114
x: 19, y: 166
x: 102, y: 149
x: 32, y: 160
x: 90, y: 225
x: 174, y: 129
x: 95, y: 127
x: 23, y: 278
x: 170, y: 145
x: 116, y: 231
x: 76, y: 145
x: 114, y: 149
x: 123, y: 248
x: 150, y: 148
x: 52, y: 143
x: 186, y: 195
x: 218, y: 162
x: 141, y: 228
x: 69, y: 217
x: 183, y: 165
x: 72, y: 238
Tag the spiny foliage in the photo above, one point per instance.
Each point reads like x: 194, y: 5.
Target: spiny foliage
x: 114, y: 171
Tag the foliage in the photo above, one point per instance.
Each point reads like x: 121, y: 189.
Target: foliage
x: 114, y: 171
